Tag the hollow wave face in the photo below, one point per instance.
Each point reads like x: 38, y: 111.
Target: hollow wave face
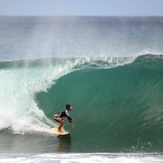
x: 22, y: 80
x: 116, y: 109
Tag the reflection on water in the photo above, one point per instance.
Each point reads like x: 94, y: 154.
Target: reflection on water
x: 34, y: 143
x: 64, y: 144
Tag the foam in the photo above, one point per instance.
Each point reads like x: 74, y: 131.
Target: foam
x: 79, y: 158
x: 19, y: 110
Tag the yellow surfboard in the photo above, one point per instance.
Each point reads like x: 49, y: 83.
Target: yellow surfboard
x: 55, y: 131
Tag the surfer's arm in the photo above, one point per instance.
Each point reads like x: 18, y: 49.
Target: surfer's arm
x: 68, y: 117
x: 71, y: 121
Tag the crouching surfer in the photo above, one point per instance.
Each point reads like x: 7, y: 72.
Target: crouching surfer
x: 59, y: 117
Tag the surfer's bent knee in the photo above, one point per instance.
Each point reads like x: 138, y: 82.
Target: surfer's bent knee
x: 62, y: 121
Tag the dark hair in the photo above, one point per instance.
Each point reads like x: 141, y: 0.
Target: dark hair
x: 68, y: 106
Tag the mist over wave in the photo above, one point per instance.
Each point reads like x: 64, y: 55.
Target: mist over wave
x: 58, y: 37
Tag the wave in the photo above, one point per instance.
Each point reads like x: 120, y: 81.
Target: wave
x: 117, y: 100
x: 21, y: 80
x: 119, y: 108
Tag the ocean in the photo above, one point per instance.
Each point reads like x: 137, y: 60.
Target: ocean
x: 109, y: 68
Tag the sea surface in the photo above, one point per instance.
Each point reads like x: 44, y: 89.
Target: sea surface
x: 109, y: 68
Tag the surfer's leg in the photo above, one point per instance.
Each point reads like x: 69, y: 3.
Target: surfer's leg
x: 62, y: 122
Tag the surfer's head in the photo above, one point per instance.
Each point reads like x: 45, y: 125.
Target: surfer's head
x: 68, y: 107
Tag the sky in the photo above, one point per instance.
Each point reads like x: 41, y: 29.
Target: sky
x: 81, y: 7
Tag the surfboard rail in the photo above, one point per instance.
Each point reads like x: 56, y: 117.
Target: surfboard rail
x: 55, y: 131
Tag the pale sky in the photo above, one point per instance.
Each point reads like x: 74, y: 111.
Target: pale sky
x: 81, y: 7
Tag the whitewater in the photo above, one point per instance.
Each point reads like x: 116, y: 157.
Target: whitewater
x: 18, y: 95
x: 108, y: 68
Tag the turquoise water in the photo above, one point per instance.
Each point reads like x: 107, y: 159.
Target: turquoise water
x: 109, y: 69
x: 116, y: 109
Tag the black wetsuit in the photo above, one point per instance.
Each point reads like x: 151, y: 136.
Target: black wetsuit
x: 58, y: 116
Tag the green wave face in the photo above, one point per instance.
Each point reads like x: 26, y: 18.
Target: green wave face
x: 117, y: 109
x: 117, y: 102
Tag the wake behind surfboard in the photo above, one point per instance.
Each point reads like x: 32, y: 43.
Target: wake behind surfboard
x: 55, y: 131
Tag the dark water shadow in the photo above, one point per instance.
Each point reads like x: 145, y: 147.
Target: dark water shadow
x: 64, y: 144
x: 33, y: 143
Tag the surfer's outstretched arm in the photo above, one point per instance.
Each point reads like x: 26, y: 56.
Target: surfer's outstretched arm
x: 68, y: 109
x: 69, y: 118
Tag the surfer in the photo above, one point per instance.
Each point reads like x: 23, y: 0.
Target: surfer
x: 59, y: 117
